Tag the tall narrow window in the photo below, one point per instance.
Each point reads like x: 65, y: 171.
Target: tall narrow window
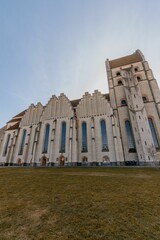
x: 131, y: 142
x: 22, y: 142
x: 63, y: 138
x: 154, y: 135
x: 104, y: 136
x: 34, y: 141
x: 84, y: 137
x: 46, y: 139
x: 6, y: 145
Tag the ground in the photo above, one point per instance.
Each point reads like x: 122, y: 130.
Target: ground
x: 80, y: 203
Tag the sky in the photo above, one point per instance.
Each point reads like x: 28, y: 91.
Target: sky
x: 48, y: 47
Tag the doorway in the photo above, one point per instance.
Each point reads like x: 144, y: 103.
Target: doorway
x: 62, y: 160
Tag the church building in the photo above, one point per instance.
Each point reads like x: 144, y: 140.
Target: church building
x: 118, y: 128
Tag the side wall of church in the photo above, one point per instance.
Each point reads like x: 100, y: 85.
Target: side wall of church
x: 28, y: 145
x: 92, y: 110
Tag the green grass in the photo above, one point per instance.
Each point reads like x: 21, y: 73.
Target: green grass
x: 80, y: 203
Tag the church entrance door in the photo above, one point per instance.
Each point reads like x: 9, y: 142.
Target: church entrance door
x: 62, y: 160
x: 44, y: 161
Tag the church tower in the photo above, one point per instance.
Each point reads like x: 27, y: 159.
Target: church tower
x: 135, y: 98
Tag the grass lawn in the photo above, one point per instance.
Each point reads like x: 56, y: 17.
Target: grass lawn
x: 80, y: 203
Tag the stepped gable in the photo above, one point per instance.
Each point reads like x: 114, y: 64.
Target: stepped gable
x: 93, y: 105
x: 32, y: 115
x: 57, y: 107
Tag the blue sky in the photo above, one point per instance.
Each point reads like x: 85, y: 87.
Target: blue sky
x: 52, y: 46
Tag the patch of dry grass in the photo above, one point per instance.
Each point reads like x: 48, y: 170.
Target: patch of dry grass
x: 80, y: 203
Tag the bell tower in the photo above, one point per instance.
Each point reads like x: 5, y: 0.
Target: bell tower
x: 136, y: 105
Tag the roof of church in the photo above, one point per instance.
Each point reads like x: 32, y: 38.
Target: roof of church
x: 15, y: 120
x: 75, y: 102
x: 13, y: 127
x: 20, y: 114
x: 133, y: 58
x: 3, y: 129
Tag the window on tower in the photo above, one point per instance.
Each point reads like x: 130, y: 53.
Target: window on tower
x: 118, y: 74
x: 123, y: 102
x: 153, y: 132
x: 144, y: 98
x: 120, y: 82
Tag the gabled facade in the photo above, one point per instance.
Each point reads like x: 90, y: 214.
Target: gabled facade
x: 119, y: 128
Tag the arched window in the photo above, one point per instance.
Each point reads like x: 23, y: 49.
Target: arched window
x: 120, y: 82
x: 6, y: 145
x: 46, y: 139
x: 123, y: 102
x: 22, y: 142
x: 144, y: 99
x: 118, y: 74
x: 154, y: 135
x: 131, y: 142
x: 84, y: 137
x: 63, y: 138
x: 104, y: 136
